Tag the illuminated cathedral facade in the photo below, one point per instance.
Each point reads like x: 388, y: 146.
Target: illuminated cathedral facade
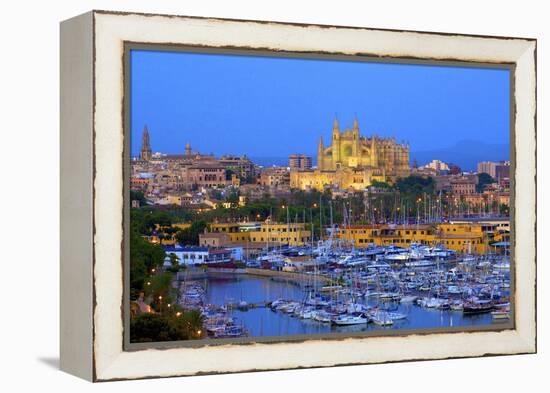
x: 354, y: 162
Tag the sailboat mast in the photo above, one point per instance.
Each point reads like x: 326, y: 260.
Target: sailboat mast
x: 321, y: 217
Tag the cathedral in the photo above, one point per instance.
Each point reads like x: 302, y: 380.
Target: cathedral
x: 354, y: 162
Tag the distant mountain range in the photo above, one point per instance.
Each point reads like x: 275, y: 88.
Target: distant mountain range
x: 466, y: 154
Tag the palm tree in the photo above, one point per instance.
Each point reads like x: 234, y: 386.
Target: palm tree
x: 194, y: 322
x: 174, y: 260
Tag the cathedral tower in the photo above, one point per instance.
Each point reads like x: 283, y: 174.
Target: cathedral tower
x: 145, y: 153
x: 320, y: 154
x: 335, y: 143
x: 355, y: 134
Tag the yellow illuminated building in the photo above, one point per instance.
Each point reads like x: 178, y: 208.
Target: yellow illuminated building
x: 472, y: 238
x: 353, y: 161
x: 293, y: 234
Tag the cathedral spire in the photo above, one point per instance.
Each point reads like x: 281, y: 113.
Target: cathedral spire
x: 335, y: 125
x: 355, y: 123
x: 320, y: 152
x: 145, y: 153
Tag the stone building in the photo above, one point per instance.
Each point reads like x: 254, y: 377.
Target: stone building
x: 464, y: 185
x: 274, y: 177
x: 353, y: 161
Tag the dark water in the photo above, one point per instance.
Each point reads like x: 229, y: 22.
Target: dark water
x: 264, y: 322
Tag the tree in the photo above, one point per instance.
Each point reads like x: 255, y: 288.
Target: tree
x: 228, y: 173
x: 194, y: 321
x: 174, y: 260
x: 416, y: 185
x: 233, y: 198
x: 153, y: 327
x: 138, y: 196
x: 483, y: 180
x: 160, y: 291
x: 190, y: 236
x: 144, y: 257
x: 380, y: 184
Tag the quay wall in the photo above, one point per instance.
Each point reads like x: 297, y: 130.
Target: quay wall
x: 292, y: 276
x: 200, y: 274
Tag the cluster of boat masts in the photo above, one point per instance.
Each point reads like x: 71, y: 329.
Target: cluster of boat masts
x: 343, y: 255
x: 431, y: 277
x: 217, y: 321
x: 362, y: 286
x: 326, y: 311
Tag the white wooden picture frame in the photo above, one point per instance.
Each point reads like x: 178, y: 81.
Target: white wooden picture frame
x: 92, y: 202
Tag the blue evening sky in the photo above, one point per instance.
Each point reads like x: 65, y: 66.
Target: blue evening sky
x: 272, y: 106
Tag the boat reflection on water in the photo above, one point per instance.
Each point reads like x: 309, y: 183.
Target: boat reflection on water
x: 351, y: 290
x: 263, y: 321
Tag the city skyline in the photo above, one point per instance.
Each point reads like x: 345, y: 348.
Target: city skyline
x: 262, y: 96
x: 456, y: 154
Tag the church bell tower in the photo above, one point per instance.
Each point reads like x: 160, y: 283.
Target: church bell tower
x: 145, y: 153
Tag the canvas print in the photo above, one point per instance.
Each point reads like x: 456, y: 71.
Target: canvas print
x: 280, y: 196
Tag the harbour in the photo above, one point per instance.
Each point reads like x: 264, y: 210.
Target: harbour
x: 351, y: 291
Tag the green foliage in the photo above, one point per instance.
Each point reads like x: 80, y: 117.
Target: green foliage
x: 483, y: 180
x: 144, y: 257
x: 416, y: 185
x: 381, y: 184
x: 174, y: 259
x: 233, y: 198
x: 216, y: 194
x: 228, y: 173
x: 160, y: 285
x: 145, y: 221
x: 138, y: 195
x: 190, y: 236
x: 192, y: 322
x: 154, y: 327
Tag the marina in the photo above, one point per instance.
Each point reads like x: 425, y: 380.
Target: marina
x: 377, y: 288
